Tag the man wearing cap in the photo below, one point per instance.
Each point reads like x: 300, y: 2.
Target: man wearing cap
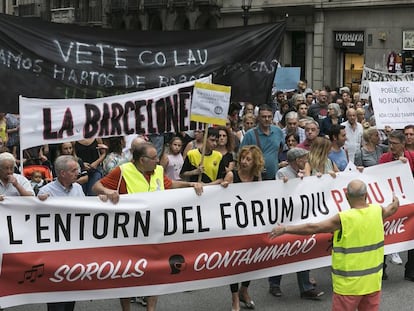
x: 297, y: 158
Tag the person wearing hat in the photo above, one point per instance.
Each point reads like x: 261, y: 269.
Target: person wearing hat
x: 297, y: 158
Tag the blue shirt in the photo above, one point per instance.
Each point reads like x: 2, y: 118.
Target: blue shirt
x: 339, y: 158
x: 56, y: 189
x: 269, y: 144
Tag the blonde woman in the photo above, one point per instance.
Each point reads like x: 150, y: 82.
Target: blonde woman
x: 250, y: 164
x: 371, y: 151
x: 319, y: 163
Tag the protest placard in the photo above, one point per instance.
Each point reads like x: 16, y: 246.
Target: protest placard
x: 210, y: 103
x: 286, y: 78
x: 393, y: 103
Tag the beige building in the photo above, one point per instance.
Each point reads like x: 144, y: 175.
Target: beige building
x: 330, y: 40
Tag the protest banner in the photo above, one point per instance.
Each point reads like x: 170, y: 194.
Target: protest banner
x: 161, y: 110
x: 372, y: 75
x: 169, y: 241
x: 393, y: 103
x: 39, y: 59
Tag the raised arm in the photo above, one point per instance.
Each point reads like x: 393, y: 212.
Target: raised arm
x: 326, y: 226
x: 391, y: 208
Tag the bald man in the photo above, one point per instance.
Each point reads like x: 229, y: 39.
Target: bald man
x: 357, y: 258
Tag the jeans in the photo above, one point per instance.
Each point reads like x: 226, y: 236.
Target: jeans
x: 61, y: 306
x: 93, y: 177
x: 409, y: 265
x: 303, y: 281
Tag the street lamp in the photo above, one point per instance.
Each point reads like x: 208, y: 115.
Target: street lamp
x: 246, y: 6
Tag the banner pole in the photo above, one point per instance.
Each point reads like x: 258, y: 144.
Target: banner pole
x: 203, y: 149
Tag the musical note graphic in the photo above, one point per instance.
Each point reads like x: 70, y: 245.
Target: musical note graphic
x: 32, y: 274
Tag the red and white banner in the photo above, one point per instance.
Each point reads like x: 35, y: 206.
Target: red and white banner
x: 164, y: 242
x: 51, y: 121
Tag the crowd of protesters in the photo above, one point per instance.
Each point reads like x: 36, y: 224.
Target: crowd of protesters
x: 299, y: 133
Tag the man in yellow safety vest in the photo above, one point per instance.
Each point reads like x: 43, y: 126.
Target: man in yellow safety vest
x: 357, y: 257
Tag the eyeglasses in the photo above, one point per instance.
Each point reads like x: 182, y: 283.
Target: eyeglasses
x: 394, y: 143
x: 151, y: 158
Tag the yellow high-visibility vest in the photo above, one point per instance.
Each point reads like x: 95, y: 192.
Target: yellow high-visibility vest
x: 211, y: 162
x: 136, y: 182
x: 358, y: 251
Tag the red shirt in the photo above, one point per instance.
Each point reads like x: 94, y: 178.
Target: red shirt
x: 306, y: 144
x: 389, y: 157
x: 114, y: 178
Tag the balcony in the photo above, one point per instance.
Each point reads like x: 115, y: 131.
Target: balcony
x: 208, y: 2
x: 155, y: 4
x: 89, y: 15
x: 121, y: 5
x: 180, y: 3
x: 63, y: 15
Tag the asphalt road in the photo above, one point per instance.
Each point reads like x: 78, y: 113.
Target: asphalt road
x: 397, y: 295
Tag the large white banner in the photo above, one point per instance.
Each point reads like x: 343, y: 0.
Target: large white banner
x: 393, y: 103
x: 164, y: 242
x: 50, y: 121
x: 373, y: 75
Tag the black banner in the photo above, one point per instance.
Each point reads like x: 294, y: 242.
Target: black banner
x: 49, y: 60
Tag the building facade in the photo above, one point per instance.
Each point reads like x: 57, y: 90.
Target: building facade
x: 331, y: 40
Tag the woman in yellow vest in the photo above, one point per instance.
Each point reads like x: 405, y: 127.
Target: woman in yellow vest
x: 357, y: 257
